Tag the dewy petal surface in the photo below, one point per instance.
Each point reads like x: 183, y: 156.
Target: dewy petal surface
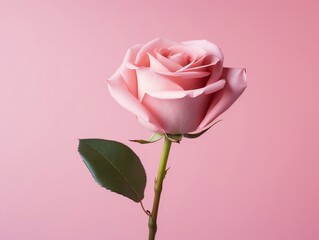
x: 235, y: 85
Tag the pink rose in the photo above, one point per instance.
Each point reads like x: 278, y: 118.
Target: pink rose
x: 176, y: 88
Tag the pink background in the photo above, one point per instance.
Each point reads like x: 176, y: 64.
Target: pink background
x: 253, y: 176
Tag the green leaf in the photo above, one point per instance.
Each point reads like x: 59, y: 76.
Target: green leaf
x: 114, y: 166
x: 188, y: 135
x: 154, y: 138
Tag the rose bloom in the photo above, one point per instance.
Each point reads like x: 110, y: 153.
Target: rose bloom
x: 176, y: 88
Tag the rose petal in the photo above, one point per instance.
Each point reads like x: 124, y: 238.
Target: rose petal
x: 216, y: 70
x: 235, y: 85
x: 186, y: 75
x: 122, y: 95
x: 209, y: 89
x: 170, y: 63
x: 150, y: 126
x: 142, y: 58
x: 128, y: 74
x: 155, y: 65
x: 194, y: 63
x: 131, y: 54
x: 178, y: 116
x: 171, y: 81
x: 192, y: 51
x: 180, y: 111
x: 180, y: 58
x: 149, y: 81
x: 208, y: 61
x: 208, y: 47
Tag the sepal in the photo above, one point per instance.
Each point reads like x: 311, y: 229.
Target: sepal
x: 196, y: 135
x: 177, y: 138
x: 154, y: 138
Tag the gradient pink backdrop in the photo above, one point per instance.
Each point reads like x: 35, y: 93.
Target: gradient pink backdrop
x: 255, y: 176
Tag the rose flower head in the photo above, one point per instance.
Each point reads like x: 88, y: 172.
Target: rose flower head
x: 176, y: 88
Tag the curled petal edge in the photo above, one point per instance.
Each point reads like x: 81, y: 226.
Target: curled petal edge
x: 121, y: 94
x: 235, y: 85
x: 216, y: 86
x: 208, y: 46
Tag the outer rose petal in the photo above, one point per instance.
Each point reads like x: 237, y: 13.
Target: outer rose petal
x: 150, y: 81
x: 178, y: 115
x: 235, y: 85
x: 217, y: 70
x: 180, y: 111
x: 122, y: 95
x: 129, y: 75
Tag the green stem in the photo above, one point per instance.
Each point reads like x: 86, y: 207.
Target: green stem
x: 152, y: 223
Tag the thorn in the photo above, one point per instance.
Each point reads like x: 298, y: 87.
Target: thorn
x: 166, y: 171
